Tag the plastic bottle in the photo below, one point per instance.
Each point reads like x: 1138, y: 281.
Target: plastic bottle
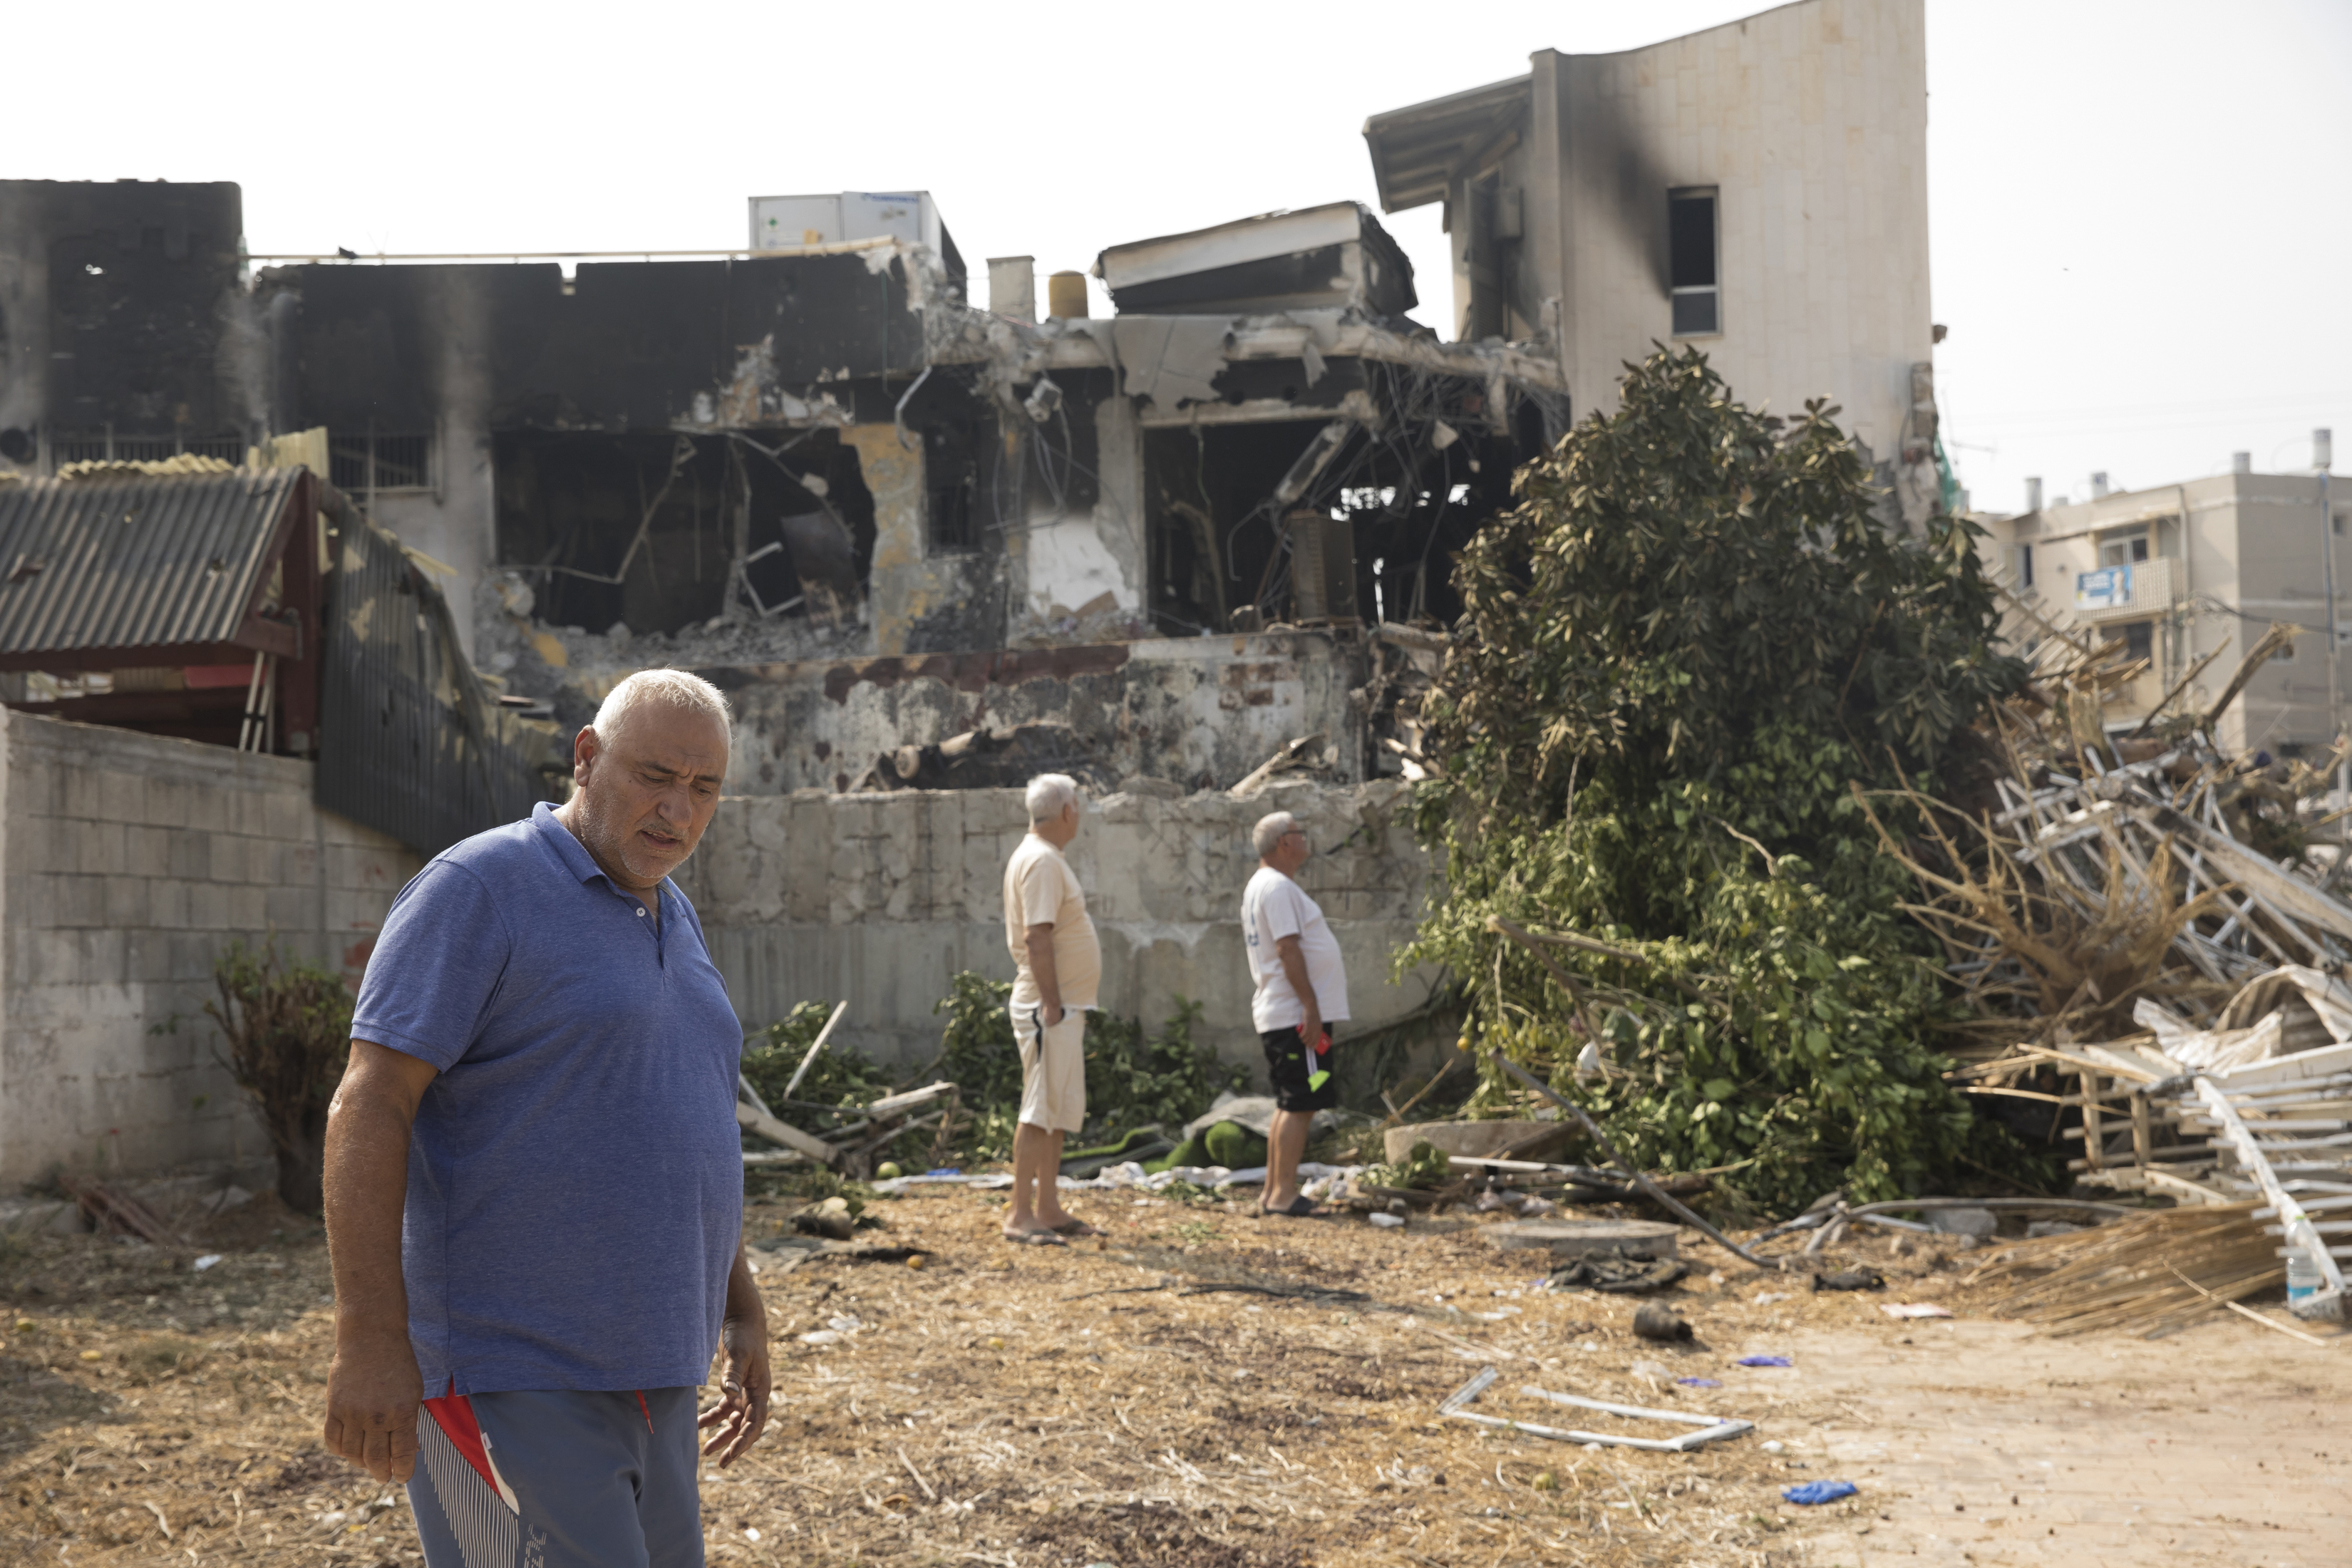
x: 2303, y: 1275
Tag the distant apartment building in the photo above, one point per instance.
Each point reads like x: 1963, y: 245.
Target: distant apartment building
x: 1759, y: 190
x: 2177, y: 572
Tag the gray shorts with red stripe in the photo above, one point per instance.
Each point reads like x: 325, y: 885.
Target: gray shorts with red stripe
x: 558, y: 1479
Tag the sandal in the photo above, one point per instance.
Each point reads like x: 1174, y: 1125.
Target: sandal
x: 1074, y: 1227
x: 1033, y: 1239
x: 1301, y: 1207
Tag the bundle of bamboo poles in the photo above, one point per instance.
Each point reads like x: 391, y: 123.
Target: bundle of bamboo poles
x: 2154, y: 1273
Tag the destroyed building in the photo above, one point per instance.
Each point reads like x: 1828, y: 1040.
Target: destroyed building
x: 928, y: 535
x: 878, y: 515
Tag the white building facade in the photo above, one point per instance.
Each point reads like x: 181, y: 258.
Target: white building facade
x: 1758, y: 190
x: 2179, y: 572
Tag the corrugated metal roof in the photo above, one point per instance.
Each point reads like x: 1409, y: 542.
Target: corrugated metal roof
x: 150, y: 563
x: 1415, y: 149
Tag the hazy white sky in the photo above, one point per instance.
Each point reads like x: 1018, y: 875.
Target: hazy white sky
x: 2140, y: 244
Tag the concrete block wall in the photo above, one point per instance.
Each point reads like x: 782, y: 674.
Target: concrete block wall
x: 881, y: 899
x: 128, y: 862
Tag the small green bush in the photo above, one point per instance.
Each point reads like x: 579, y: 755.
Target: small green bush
x: 840, y: 1076
x: 288, y: 1027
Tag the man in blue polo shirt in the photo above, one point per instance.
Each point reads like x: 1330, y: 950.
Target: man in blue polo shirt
x: 534, y: 1181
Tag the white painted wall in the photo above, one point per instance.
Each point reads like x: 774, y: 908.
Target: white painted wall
x: 1810, y: 120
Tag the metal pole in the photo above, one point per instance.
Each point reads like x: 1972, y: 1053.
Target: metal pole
x: 2336, y: 713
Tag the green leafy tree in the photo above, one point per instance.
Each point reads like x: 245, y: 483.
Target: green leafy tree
x: 1691, y: 634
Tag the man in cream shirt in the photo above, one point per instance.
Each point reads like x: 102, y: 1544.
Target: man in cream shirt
x: 1058, y: 965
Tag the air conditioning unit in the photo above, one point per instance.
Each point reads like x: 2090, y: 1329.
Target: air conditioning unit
x: 1322, y: 568
x: 798, y: 223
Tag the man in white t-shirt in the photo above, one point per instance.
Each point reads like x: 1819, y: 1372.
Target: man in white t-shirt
x: 1056, y: 967
x: 1302, y: 988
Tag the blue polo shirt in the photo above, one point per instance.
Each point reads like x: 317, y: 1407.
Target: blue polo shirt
x: 575, y: 1178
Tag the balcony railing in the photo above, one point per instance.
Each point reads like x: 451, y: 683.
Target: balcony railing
x: 2128, y: 593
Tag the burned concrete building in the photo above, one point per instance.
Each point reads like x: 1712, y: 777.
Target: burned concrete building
x: 880, y: 515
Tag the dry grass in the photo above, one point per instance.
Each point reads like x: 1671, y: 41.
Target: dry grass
x: 2162, y: 1270
x: 1035, y: 1408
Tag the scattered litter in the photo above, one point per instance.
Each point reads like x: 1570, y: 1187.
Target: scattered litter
x: 1386, y: 1221
x: 821, y: 1337
x: 1807, y: 1493
x: 1706, y: 1428
x: 207, y: 1261
x: 1699, y: 1382
x: 1616, y: 1276
x: 1913, y: 1309
x: 117, y: 1211
x: 1774, y: 1448
x: 1765, y: 1361
x: 1861, y: 1279
x: 1648, y: 1369
x: 1656, y: 1322
x: 1766, y: 1298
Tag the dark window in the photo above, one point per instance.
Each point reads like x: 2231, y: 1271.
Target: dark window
x: 2025, y: 566
x: 951, y: 470
x: 2139, y: 639
x: 366, y: 460
x: 112, y: 446
x: 1691, y: 263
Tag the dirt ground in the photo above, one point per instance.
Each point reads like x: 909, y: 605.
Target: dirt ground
x: 1199, y: 1389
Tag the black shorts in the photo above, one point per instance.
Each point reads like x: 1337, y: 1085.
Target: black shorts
x: 1287, y: 1066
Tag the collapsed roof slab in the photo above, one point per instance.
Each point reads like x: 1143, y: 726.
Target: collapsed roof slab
x: 1333, y: 255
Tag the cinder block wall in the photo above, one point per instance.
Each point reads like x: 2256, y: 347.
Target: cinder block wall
x: 127, y: 863
x: 882, y: 897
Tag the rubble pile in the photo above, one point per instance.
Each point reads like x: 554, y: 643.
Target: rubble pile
x: 2149, y: 933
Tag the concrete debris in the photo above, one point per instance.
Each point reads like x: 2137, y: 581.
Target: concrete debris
x: 980, y: 759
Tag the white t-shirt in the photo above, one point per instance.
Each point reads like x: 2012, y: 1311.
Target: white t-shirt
x: 1273, y: 906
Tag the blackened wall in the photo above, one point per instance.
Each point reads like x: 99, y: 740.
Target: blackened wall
x: 119, y: 306
x: 624, y: 346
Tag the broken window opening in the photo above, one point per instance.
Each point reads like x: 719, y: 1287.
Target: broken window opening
x: 669, y: 516
x: 1692, y: 252
x: 1397, y: 507
x: 1486, y: 262
x: 951, y: 484
x: 371, y: 461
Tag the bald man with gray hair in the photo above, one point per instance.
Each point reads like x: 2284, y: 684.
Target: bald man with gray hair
x: 522, y: 1346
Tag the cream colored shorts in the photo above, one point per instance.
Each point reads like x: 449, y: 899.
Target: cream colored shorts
x: 1052, y: 1068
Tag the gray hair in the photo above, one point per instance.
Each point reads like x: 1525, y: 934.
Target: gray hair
x: 670, y: 689
x: 1270, y: 829
x: 1048, y: 793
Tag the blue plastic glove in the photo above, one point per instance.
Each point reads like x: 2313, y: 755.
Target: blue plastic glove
x: 1818, y: 1491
